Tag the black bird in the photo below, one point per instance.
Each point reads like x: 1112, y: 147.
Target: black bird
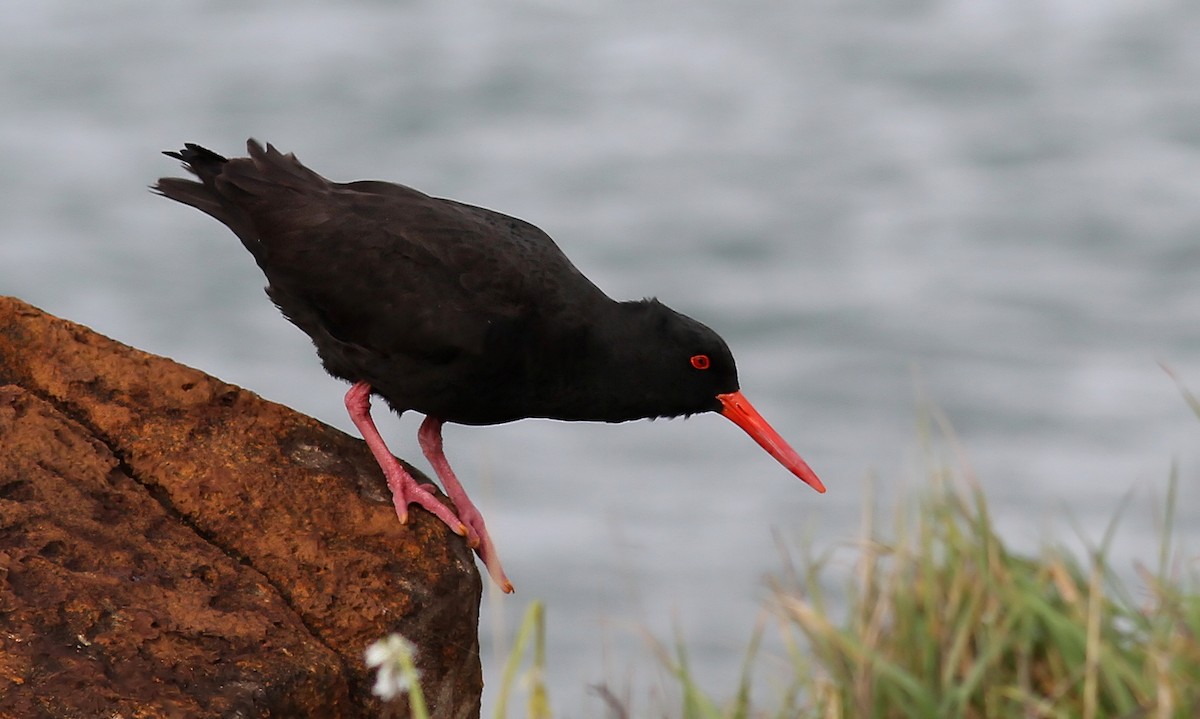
x: 460, y: 313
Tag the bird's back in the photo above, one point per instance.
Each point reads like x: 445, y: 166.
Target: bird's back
x: 411, y: 293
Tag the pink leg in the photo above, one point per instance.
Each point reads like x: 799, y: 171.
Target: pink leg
x: 405, y: 489
x: 430, y: 437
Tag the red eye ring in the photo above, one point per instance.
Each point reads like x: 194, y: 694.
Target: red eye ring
x: 700, y: 361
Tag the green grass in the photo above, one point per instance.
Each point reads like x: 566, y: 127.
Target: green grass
x: 945, y: 621
x: 537, y: 702
x: 941, y: 619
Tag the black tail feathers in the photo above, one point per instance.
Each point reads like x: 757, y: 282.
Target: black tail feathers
x: 199, y: 161
x: 204, y: 195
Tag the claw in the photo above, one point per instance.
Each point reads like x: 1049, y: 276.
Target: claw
x: 430, y: 438
x: 405, y: 490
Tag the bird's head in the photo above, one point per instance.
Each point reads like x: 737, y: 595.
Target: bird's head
x: 677, y: 366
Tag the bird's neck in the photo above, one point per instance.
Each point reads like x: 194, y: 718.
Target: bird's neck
x: 603, y: 379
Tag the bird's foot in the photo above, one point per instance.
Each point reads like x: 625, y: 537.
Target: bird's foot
x: 479, y: 540
x: 405, y: 489
x: 430, y: 438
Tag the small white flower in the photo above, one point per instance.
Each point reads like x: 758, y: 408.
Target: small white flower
x: 397, y: 675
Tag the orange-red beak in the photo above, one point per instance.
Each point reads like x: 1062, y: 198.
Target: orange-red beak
x: 743, y: 414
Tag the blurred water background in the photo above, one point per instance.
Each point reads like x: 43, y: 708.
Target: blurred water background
x: 988, y: 206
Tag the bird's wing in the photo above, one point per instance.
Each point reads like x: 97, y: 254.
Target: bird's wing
x: 392, y: 270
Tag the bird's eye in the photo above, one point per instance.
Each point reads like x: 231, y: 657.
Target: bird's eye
x: 700, y: 361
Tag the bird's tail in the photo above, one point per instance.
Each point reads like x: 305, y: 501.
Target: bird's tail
x: 227, y: 188
x: 203, y: 195
x: 202, y: 163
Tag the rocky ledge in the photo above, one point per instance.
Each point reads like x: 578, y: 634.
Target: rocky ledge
x: 174, y: 546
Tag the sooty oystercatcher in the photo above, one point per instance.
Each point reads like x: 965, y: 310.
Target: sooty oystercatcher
x: 460, y: 313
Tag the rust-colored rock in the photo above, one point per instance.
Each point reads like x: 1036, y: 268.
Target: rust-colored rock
x: 171, y: 545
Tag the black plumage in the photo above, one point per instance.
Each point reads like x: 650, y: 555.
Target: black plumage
x: 457, y: 312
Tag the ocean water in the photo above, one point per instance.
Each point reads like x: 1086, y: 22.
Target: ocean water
x: 982, y: 206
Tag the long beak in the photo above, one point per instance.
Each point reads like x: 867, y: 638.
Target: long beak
x: 739, y: 410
